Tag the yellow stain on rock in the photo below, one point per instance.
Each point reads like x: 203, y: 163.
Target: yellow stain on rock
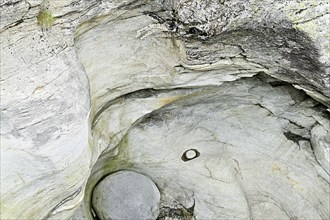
x: 295, y: 184
x: 167, y: 100
x: 275, y: 167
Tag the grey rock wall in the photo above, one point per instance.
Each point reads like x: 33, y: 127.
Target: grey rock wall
x: 222, y: 104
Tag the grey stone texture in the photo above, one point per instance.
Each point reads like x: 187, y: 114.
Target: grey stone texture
x: 223, y: 104
x: 126, y: 195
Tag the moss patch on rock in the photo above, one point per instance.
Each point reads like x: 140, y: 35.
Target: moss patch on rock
x: 45, y: 19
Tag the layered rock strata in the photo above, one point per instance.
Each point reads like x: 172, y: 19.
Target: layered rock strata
x: 222, y: 104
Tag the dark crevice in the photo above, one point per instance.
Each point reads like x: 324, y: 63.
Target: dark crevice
x: 279, y: 83
x: 154, y: 16
x: 300, y: 11
x: 195, y: 31
x: 294, y: 123
x: 67, y: 14
x: 263, y: 107
x: 178, y: 213
x: 16, y: 23
x: 95, y: 216
x: 132, y: 5
x: 294, y: 137
x: 10, y: 3
x: 70, y: 197
x: 278, y: 116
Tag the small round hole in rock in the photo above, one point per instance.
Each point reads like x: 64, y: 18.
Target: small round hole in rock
x: 189, y: 155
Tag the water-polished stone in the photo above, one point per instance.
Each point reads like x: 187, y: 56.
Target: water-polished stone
x: 126, y: 195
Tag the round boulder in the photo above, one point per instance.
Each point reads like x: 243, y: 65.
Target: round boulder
x: 126, y: 195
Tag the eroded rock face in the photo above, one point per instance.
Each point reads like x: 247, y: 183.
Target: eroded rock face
x: 173, y: 96
x: 252, y: 157
x: 46, y: 151
x: 161, y: 104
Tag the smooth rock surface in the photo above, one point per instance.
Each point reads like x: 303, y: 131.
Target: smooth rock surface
x: 320, y: 139
x: 181, y: 66
x: 73, y: 92
x: 46, y: 147
x: 46, y: 154
x: 126, y: 195
x: 80, y: 213
x: 46, y: 150
x: 254, y: 158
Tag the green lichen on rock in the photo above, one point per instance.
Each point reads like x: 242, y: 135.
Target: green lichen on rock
x: 45, y: 19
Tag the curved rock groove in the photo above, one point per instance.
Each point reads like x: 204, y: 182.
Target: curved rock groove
x: 157, y: 93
